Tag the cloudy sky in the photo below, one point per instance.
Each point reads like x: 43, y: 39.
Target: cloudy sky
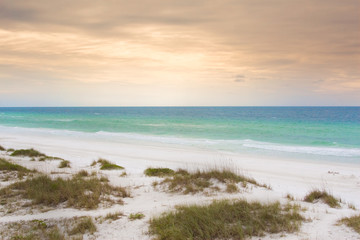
x: 179, y: 53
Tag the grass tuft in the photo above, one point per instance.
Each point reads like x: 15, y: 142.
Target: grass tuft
x: 136, y: 216
x: 2, y: 148
x: 290, y: 197
x: 231, y: 188
x: 114, y: 216
x: 106, y: 165
x: 185, y: 182
x: 159, y: 172
x: 225, y: 220
x: 82, y: 173
x: 85, y: 225
x: 75, y: 192
x: 27, y: 153
x: 8, y: 166
x: 323, y: 195
x: 352, y: 222
x: 32, y: 230
x: 64, y: 164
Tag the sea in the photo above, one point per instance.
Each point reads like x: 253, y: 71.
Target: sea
x: 314, y: 133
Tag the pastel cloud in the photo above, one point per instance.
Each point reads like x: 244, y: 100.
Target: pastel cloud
x: 190, y: 50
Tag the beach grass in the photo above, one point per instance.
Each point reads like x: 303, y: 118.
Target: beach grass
x: 352, y: 222
x: 32, y: 153
x: 114, y: 216
x: 107, y: 165
x: 50, y: 229
x: 64, y: 164
x: 2, y: 148
x: 27, y: 153
x: 136, y: 216
x: 186, y: 182
x: 8, y: 166
x: 50, y: 233
x: 82, y: 173
x: 326, y: 197
x: 225, y: 220
x: 85, y: 225
x: 75, y: 192
x: 158, y: 172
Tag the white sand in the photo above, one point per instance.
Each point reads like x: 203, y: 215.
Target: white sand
x: 284, y: 176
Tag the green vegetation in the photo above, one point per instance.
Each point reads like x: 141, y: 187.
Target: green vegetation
x: 159, y: 172
x: 106, y: 165
x: 64, y: 164
x: 185, y: 182
x: 2, y: 148
x: 82, y: 173
x: 57, y: 229
x: 136, y: 216
x: 225, y: 220
x: 352, y: 222
x: 290, y: 197
x: 351, y: 206
x: 324, y: 196
x: 8, y: 166
x: 40, y: 224
x: 10, y: 150
x: 114, y: 216
x: 28, y: 153
x: 231, y: 188
x: 32, y: 230
x: 85, y: 225
x: 32, y: 153
x: 76, y: 192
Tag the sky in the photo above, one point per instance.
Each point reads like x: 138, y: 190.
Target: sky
x: 179, y: 53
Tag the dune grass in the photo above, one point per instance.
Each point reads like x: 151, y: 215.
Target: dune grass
x: 27, y: 153
x: 352, y: 222
x: 159, y: 172
x: 64, y: 164
x: 136, y: 216
x: 8, y: 166
x: 85, y: 225
x: 33, y: 154
x: 2, y: 148
x: 50, y: 229
x: 75, y: 192
x: 82, y: 173
x: 114, y: 216
x: 225, y: 220
x: 36, y: 232
x: 185, y: 182
x: 107, y: 165
x: 324, y: 196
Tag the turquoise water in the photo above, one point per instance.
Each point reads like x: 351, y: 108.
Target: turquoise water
x: 318, y: 131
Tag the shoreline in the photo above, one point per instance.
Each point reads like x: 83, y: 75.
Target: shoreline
x: 302, y: 173
x: 296, y: 178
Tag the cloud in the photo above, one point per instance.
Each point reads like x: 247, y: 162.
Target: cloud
x: 274, y: 43
x: 239, y: 78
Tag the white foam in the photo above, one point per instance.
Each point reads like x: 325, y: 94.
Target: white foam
x: 326, y: 151
x: 228, y: 145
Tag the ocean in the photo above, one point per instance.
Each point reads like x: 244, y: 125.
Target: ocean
x: 315, y: 133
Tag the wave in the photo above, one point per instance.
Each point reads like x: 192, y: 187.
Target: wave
x: 325, y: 151
x: 215, y: 144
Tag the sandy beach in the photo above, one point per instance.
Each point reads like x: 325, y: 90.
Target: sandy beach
x: 179, y: 120
x: 294, y: 178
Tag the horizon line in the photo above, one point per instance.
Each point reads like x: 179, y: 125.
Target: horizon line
x: 177, y: 106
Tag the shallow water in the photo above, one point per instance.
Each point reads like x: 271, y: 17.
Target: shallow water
x: 317, y: 133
